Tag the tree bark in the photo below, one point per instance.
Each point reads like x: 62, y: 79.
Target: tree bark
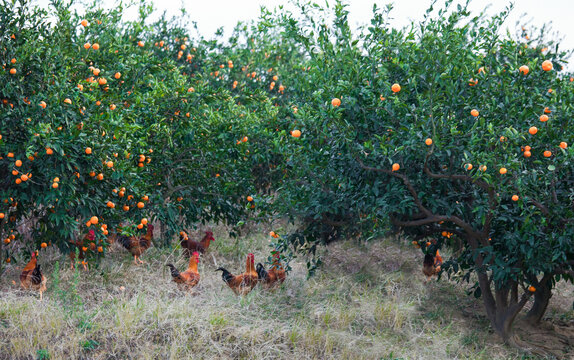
x: 541, y: 300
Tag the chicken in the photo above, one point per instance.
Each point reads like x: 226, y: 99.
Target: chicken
x: 199, y: 246
x: 241, y: 284
x: 81, y: 244
x: 432, y: 264
x: 137, y: 245
x: 31, y: 276
x: 276, y: 274
x: 189, y: 278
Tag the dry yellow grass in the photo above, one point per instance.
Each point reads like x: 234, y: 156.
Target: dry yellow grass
x: 368, y: 302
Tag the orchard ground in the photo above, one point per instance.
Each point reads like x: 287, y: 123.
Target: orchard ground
x: 370, y: 301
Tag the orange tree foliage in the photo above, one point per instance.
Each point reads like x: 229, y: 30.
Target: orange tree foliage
x: 145, y: 124
x: 313, y: 122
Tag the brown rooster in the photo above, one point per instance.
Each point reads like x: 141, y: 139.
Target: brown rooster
x: 31, y: 276
x: 189, y: 278
x: 432, y: 264
x: 276, y: 274
x: 190, y: 246
x: 80, y: 244
x: 137, y: 245
x: 241, y: 284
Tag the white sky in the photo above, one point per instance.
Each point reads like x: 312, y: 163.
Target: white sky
x: 211, y: 15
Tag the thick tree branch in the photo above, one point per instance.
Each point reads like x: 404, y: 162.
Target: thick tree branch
x: 493, y: 203
x: 405, y: 180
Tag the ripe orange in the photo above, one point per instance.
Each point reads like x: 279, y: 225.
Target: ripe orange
x: 112, y: 107
x: 55, y: 185
x: 18, y: 181
x: 126, y: 208
x: 56, y: 179
x: 13, y: 71
x: 110, y: 164
x: 140, y: 226
x: 100, y: 249
x: 96, y: 46
x: 18, y: 163
x: 141, y: 205
x: 2, y: 215
x: 24, y: 177
x: 563, y: 145
x: 87, y: 45
x: 144, y: 221
x: 249, y: 198
x: 296, y: 133
x: 531, y: 288
x: 96, y: 71
x: 13, y: 61
x: 43, y: 245
x: 474, y: 112
x: 395, y: 88
x: 547, y: 110
x: 482, y: 168
x: 14, y: 172
x: 49, y: 151
x: 117, y: 75
x: 543, y: 118
x: 502, y: 139
x: 547, y: 153
x: 527, y: 148
x: 547, y: 65
x: 503, y: 171
x: 396, y: 167
x: 42, y: 104
x: 336, y: 102
x: 102, y: 81
x: 533, y: 130
x: 94, y: 220
x: 428, y: 141
x: 10, y: 155
x: 245, y: 138
x: 110, y: 205
x: 524, y: 69
x: 84, y: 23
x: 140, y: 43
x: 88, y: 150
x: 100, y: 176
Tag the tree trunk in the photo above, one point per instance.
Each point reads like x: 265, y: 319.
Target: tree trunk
x: 541, y: 300
x: 502, y: 307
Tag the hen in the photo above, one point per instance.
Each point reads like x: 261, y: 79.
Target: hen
x: 189, y: 278
x: 136, y: 245
x: 241, y: 284
x: 432, y: 264
x: 276, y: 274
x: 31, y: 276
x: 200, y: 246
x: 90, y: 237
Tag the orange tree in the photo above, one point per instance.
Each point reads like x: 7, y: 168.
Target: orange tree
x: 122, y: 121
x: 446, y: 130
